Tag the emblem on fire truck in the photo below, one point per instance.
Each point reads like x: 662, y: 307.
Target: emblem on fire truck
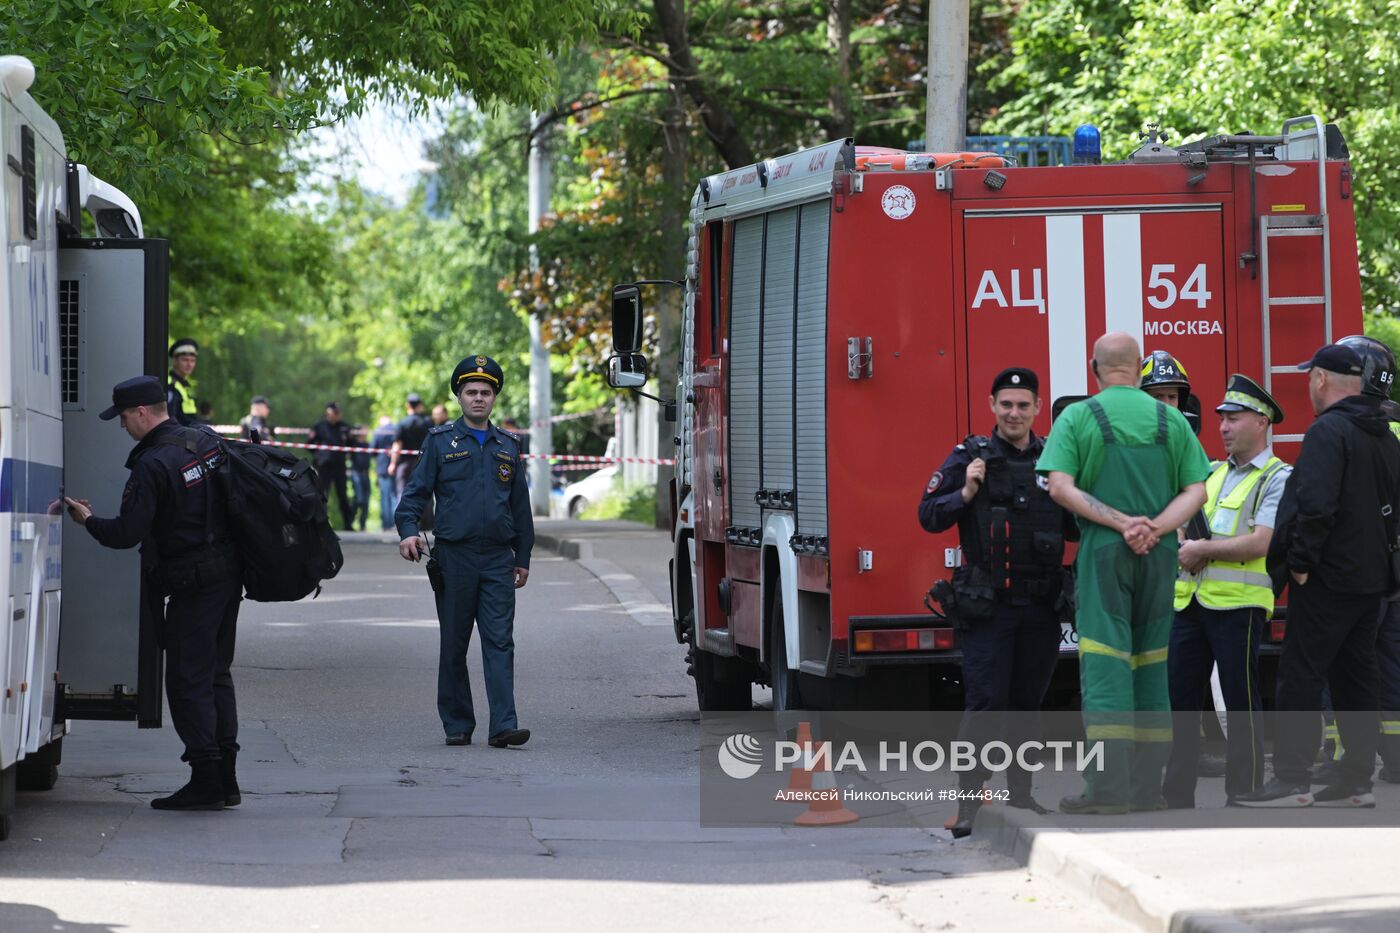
x: 898, y: 202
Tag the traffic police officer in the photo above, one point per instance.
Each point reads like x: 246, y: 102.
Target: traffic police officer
x: 1130, y: 468
x: 1224, y: 597
x: 179, y: 398
x: 484, y: 536
x: 1335, y: 530
x: 175, y: 510
x: 1006, y: 594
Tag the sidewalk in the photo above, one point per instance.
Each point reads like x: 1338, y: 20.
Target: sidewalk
x: 632, y: 561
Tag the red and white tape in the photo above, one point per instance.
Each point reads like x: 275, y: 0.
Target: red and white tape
x: 561, y: 458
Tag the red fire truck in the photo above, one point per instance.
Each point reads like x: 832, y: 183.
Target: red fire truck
x: 845, y: 311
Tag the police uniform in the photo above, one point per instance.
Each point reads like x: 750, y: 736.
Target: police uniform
x: 179, y: 396
x: 1013, y: 538
x: 484, y: 530
x: 1221, y: 612
x: 330, y: 464
x: 174, y: 509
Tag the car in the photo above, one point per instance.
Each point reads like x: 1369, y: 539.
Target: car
x: 589, y: 490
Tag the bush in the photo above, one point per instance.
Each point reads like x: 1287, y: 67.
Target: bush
x: 635, y: 503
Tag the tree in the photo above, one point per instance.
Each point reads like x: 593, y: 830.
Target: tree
x: 1227, y: 66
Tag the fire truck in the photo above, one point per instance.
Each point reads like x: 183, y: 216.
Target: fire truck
x: 845, y: 309
x: 79, y: 314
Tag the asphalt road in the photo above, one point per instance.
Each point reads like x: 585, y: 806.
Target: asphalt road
x: 357, y: 817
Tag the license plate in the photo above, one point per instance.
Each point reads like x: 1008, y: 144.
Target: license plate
x: 1069, y: 638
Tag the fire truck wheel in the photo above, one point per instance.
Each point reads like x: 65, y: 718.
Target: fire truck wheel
x: 721, y: 684
x: 786, y: 694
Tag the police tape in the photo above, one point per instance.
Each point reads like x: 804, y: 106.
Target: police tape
x: 555, y: 419
x: 586, y: 459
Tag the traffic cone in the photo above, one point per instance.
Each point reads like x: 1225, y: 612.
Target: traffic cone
x: 825, y: 812
x: 801, y: 777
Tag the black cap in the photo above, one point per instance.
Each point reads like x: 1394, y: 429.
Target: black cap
x: 476, y: 367
x: 1017, y: 377
x: 143, y: 390
x: 183, y: 345
x: 415, y: 399
x: 259, y: 400
x: 332, y: 406
x: 1335, y: 358
x: 1244, y: 394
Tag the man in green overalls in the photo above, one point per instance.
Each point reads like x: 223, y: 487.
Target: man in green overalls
x: 1130, y: 468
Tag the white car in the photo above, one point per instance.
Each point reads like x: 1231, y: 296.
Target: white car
x: 589, y: 490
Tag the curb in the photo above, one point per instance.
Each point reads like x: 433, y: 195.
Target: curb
x: 565, y: 547
x: 1068, y: 859
x: 629, y: 592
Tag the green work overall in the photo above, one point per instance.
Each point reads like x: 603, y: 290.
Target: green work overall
x: 1124, y: 620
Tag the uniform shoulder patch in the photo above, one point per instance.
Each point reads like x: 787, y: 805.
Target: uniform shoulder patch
x: 934, y: 482
x: 440, y: 428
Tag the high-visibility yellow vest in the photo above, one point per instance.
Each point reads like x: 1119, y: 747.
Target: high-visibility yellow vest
x: 185, y: 390
x: 1228, y: 584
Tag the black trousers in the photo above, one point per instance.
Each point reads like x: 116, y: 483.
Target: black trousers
x: 1388, y: 657
x: 201, y: 626
x: 1331, y: 640
x: 332, y: 477
x: 1229, y: 638
x: 1008, y: 662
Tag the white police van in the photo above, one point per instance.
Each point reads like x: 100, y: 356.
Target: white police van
x: 77, y: 314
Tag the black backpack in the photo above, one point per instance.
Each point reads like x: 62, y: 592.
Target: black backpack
x: 277, y: 517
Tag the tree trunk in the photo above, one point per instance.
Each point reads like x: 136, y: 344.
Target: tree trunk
x: 838, y: 37
x: 675, y: 217
x: 723, y: 131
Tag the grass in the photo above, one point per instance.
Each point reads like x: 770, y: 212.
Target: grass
x: 633, y: 503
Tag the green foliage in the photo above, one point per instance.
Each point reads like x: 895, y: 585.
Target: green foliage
x: 630, y: 503
x: 1224, y: 66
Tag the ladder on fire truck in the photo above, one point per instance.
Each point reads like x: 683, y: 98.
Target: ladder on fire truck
x: 1273, y: 226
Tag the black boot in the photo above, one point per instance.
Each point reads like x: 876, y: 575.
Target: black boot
x: 1018, y: 786
x: 967, y: 812
x: 229, y: 778
x: 205, y: 791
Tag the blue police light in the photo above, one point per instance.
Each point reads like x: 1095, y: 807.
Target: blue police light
x: 1088, y: 148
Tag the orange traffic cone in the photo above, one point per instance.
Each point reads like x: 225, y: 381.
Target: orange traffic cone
x: 801, y: 777
x: 826, y: 808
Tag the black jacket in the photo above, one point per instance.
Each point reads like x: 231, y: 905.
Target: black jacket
x: 1330, y: 522
x: 165, y: 502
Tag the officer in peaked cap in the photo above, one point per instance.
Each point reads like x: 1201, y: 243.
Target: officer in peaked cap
x: 1336, y: 525
x: 484, y: 534
x: 1005, y: 596
x: 180, y: 398
x: 1224, y: 597
x: 176, y: 511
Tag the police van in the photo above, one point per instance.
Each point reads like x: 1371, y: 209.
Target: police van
x: 83, y: 305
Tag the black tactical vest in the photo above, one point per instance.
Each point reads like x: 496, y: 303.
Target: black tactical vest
x: 1020, y: 529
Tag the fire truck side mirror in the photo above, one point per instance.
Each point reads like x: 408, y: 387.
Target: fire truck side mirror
x: 627, y: 319
x: 627, y: 371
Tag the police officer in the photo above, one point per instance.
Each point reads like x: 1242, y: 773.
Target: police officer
x: 1336, y: 524
x: 1005, y: 595
x: 331, y: 431
x: 1224, y: 597
x: 484, y: 536
x: 179, y: 398
x: 175, y: 510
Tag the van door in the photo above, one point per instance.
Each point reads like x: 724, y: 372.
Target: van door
x: 113, y: 310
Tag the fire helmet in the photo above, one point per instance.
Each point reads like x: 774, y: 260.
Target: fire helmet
x: 1162, y: 370
x: 1377, y: 364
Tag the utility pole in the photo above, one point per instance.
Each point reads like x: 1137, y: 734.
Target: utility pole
x: 541, y: 391
x: 945, y: 127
